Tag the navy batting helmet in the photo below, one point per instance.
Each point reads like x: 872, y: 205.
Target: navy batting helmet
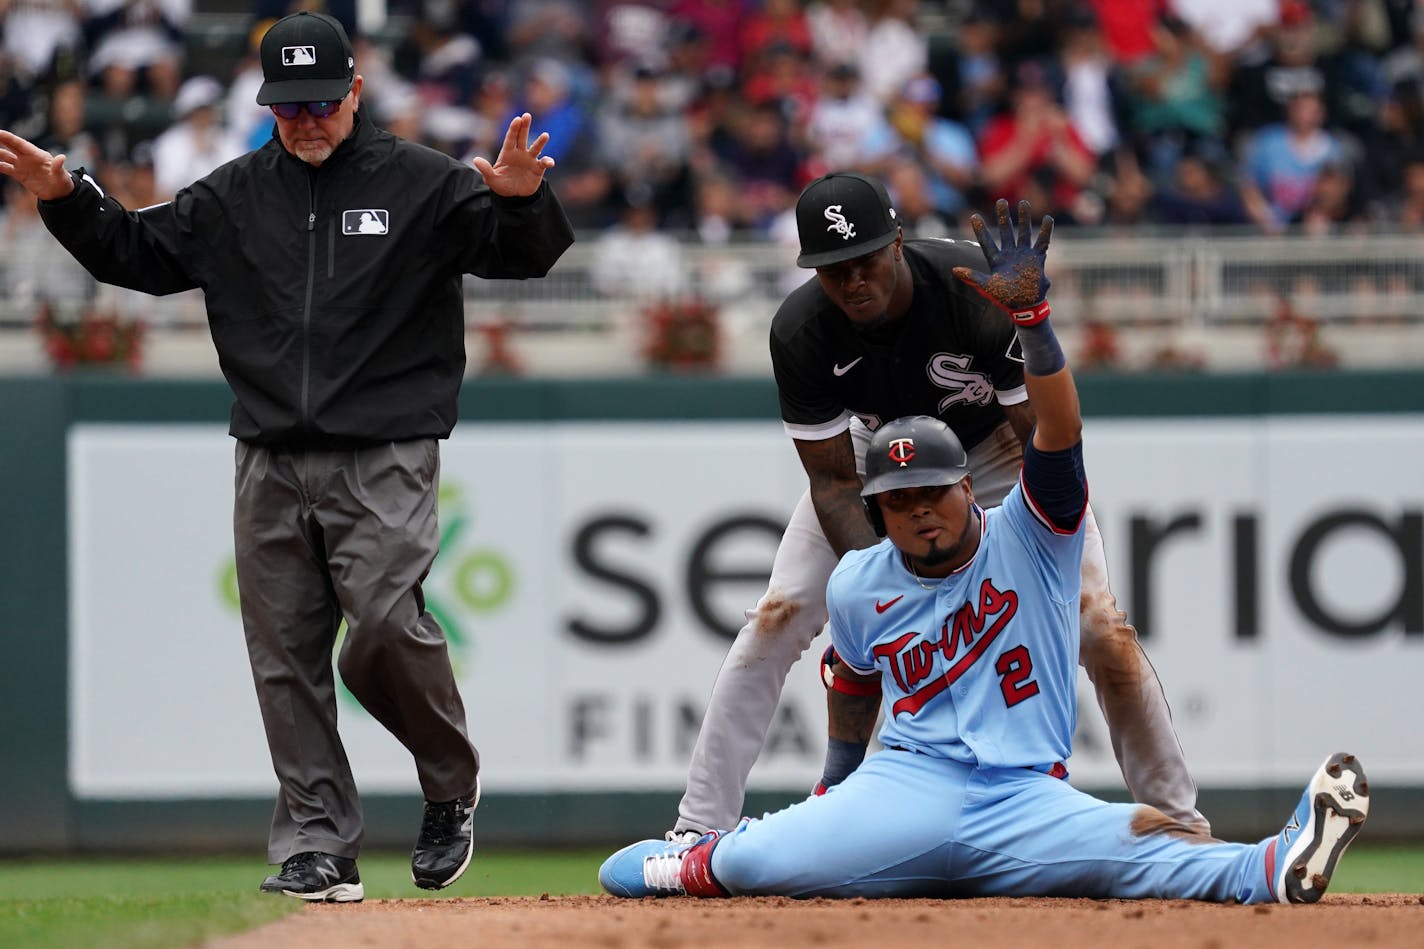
x: 916, y: 451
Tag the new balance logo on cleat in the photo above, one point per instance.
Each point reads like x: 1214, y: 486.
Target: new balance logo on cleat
x: 317, y: 877
x: 1302, y: 858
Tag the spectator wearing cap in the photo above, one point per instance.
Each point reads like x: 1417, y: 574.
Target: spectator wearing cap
x: 197, y: 142
x: 646, y: 145
x: 847, y: 129
x: 331, y: 261
x: 584, y: 183
x: 943, y: 148
x: 1031, y: 149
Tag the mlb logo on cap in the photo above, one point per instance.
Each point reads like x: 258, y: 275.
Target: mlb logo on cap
x: 306, y: 57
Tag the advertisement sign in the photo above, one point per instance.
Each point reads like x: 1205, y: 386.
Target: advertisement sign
x: 592, y: 575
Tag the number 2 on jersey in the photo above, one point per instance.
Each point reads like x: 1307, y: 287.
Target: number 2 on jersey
x: 1014, y: 668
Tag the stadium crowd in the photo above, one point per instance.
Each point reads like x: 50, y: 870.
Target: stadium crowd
x: 705, y: 117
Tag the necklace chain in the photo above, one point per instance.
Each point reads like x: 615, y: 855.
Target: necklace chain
x: 911, y: 567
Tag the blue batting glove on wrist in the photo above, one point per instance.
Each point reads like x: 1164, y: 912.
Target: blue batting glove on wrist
x: 1015, y: 281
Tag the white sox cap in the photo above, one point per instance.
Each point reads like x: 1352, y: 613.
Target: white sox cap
x: 842, y: 216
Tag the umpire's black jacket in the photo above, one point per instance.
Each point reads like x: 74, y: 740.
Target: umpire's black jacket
x: 333, y: 293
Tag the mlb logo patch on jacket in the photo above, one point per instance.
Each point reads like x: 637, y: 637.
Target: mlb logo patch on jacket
x: 365, y: 221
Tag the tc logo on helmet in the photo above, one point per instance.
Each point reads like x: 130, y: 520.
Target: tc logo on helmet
x: 839, y: 224
x: 902, y: 450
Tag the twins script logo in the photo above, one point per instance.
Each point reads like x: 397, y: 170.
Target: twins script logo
x: 950, y: 371
x: 839, y: 224
x: 912, y: 657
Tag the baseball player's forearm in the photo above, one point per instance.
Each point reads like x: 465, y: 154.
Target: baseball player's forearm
x: 1021, y: 419
x: 852, y: 705
x: 842, y: 515
x: 835, y: 492
x: 1059, y: 419
x: 851, y: 717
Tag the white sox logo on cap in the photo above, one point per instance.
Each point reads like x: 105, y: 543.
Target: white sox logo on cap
x: 298, y: 55
x: 902, y: 450
x: 839, y: 224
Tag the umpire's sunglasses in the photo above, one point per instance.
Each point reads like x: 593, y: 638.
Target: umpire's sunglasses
x: 317, y: 110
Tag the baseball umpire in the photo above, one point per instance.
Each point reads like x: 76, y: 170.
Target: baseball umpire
x: 884, y: 331
x: 965, y: 621
x: 331, y: 261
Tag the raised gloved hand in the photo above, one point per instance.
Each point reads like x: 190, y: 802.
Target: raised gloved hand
x: 1015, y: 281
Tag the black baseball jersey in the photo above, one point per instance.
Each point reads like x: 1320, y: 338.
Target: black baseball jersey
x: 953, y: 355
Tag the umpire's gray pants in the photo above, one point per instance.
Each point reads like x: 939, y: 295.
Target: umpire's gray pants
x: 322, y: 535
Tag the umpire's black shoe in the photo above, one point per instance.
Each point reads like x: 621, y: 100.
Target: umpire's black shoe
x: 447, y: 841
x: 317, y: 877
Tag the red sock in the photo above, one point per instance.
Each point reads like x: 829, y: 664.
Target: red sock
x: 697, y: 878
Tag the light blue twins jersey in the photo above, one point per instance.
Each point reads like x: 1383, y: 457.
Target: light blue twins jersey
x: 982, y: 668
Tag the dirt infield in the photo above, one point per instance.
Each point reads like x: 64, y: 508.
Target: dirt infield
x: 1379, y: 921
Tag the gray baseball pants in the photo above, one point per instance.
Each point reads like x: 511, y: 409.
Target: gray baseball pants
x: 793, y: 611
x: 326, y: 535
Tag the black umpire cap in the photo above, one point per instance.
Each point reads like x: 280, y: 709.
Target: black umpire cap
x: 842, y: 216
x: 306, y: 57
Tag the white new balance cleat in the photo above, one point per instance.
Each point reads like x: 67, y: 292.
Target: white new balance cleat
x: 1302, y: 858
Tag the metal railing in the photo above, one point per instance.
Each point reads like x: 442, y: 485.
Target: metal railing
x: 1138, y: 284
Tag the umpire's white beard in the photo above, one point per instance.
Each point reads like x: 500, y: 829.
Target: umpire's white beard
x: 313, y: 153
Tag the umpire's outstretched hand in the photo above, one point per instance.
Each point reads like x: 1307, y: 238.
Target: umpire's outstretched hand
x: 1016, y: 280
x: 39, y: 172
x: 517, y: 171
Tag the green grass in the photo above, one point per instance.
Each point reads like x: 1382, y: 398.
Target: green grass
x: 1380, y: 868
x: 148, y: 904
